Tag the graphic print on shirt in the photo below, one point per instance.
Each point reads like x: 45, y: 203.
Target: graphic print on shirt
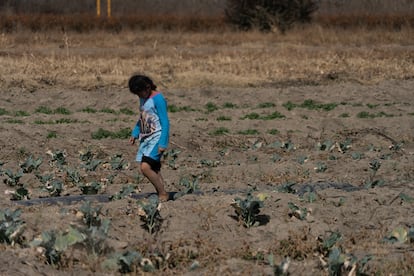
x: 149, y: 119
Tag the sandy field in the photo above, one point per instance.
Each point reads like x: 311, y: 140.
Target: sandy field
x: 320, y: 131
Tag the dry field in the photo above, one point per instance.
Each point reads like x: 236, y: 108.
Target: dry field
x: 317, y: 123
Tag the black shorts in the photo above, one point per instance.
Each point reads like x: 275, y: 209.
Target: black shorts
x: 154, y: 164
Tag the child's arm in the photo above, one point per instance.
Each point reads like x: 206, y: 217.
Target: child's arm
x: 161, y: 106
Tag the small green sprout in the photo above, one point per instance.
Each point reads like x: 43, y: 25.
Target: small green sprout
x: 171, y: 156
x: 287, y: 188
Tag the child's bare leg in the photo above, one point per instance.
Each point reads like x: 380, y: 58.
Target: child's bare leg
x: 156, y: 180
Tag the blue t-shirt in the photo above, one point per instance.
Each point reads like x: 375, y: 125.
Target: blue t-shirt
x: 153, y: 119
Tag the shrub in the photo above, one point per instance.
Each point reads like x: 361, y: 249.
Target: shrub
x: 269, y: 14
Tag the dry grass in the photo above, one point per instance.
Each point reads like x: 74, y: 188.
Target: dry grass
x: 178, y: 59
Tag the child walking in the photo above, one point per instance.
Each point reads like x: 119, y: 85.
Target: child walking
x: 152, y: 131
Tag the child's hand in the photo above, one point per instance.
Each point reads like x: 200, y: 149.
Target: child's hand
x: 132, y: 140
x: 161, y: 150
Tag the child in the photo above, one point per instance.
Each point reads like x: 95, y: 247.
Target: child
x: 152, y: 131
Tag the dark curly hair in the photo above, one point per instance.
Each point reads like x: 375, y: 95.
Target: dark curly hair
x: 138, y: 83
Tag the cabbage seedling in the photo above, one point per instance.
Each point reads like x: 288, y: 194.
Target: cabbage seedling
x: 298, y: 212
x: 13, y: 179
x: 374, y: 165
x: 58, y: 158
x: 150, y: 213
x: 118, y: 163
x: 247, y: 210
x: 91, y: 188
x: 11, y: 226
x: 31, y: 164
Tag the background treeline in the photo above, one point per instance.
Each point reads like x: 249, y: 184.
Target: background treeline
x: 80, y: 15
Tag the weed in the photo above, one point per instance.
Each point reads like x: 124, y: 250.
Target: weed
x: 223, y: 118
x: 173, y: 108
x: 249, y: 132
x: 289, y: 105
x: 219, y: 131
x: 211, y: 107
x: 150, y: 213
x: 107, y: 110
x: 266, y: 105
x: 44, y: 110
x: 273, y: 131
x: 251, y: 116
x: 89, y: 110
x: 344, y: 115
x: 3, y: 112
x: 126, y: 111
x: 14, y: 121
x: 102, y: 134
x: 11, y: 226
x: 51, y: 134
x: 21, y: 113
x: 229, y: 105
x: 62, y: 110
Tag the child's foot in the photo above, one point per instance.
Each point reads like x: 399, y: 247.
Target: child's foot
x: 163, y: 197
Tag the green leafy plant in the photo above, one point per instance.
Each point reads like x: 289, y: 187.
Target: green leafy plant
x: 13, y: 180
x: 149, y: 211
x: 73, y: 176
x: 287, y: 188
x: 248, y: 132
x: 118, y: 163
x: 219, y: 131
x: 101, y: 133
x: 90, y: 188
x: 123, y: 262
x: 58, y: 158
x: 211, y: 107
x: 95, y: 228
x: 248, y: 209
x: 190, y: 184
x: 281, y: 269
x: 124, y: 192
x: 54, y: 187
x: 223, y: 118
x: 171, y: 156
x: 30, y: 164
x: 11, y: 226
x: 55, y: 243
x: 297, y: 212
